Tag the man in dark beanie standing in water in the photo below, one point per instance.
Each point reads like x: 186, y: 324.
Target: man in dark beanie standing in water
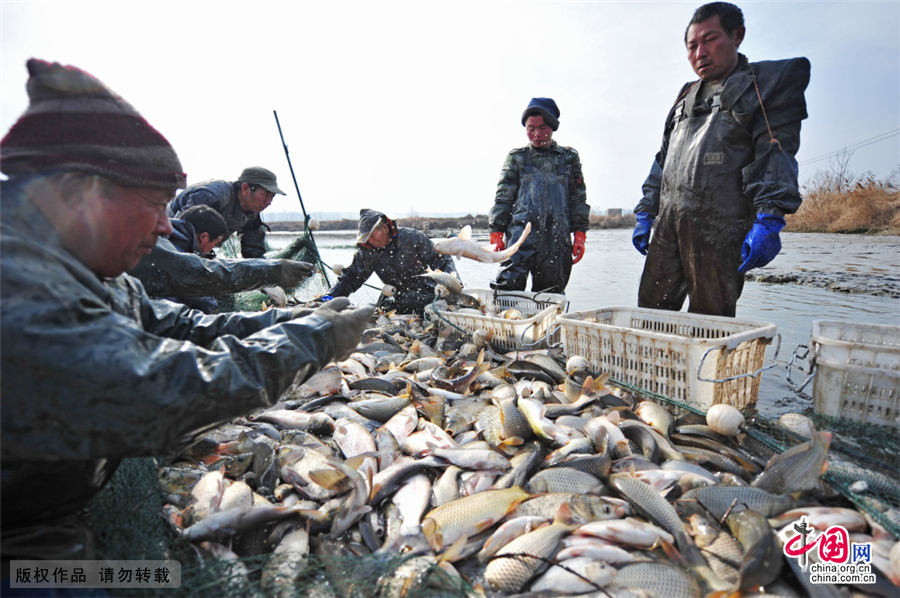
x: 91, y: 369
x: 725, y: 175
x: 541, y: 183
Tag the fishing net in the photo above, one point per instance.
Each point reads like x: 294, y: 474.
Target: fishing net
x: 303, y: 249
x: 128, y: 525
x: 862, y: 458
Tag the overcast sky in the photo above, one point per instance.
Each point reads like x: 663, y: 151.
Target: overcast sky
x: 413, y: 106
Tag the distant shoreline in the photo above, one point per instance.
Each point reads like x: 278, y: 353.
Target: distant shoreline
x: 479, y: 222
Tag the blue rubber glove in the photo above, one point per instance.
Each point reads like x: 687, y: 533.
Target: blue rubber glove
x: 325, y: 298
x: 762, y: 243
x: 641, y: 235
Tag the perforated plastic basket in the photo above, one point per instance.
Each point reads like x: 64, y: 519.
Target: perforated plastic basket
x: 857, y: 371
x: 534, y: 331
x: 699, y: 360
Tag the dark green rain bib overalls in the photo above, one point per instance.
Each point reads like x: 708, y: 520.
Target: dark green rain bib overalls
x: 704, y: 215
x: 543, y: 199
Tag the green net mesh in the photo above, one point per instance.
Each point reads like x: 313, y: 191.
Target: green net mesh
x: 127, y: 517
x: 303, y: 249
x: 863, y: 458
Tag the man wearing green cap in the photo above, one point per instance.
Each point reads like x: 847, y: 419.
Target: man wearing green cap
x: 166, y: 273
x: 239, y: 202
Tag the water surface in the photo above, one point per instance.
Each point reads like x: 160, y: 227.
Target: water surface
x: 866, y: 269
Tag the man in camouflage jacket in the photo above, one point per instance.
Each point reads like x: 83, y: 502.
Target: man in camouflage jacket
x: 541, y: 183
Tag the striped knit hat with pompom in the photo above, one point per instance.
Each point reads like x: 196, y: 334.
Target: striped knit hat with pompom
x: 75, y: 123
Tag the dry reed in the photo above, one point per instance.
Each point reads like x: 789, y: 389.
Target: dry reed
x: 837, y: 205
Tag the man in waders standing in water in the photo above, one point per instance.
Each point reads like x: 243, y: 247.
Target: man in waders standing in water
x: 726, y: 173
x: 541, y: 183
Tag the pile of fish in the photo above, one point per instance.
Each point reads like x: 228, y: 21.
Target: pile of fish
x: 426, y: 464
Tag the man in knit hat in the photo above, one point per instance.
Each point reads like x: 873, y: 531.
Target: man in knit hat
x: 240, y: 202
x: 91, y: 369
x: 541, y: 183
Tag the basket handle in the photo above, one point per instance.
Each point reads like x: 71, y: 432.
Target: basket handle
x: 523, y: 346
x: 791, y: 366
x: 739, y: 376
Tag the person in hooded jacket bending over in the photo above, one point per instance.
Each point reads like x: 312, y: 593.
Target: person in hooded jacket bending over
x: 397, y: 255
x: 197, y: 231
x: 725, y: 175
x: 541, y: 183
x: 91, y: 369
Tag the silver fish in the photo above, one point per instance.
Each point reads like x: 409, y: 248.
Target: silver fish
x: 462, y: 245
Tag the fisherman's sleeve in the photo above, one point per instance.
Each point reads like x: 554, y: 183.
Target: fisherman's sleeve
x: 579, y: 210
x: 83, y: 381
x: 353, y: 276
x: 507, y: 191
x: 649, y: 202
x: 180, y: 322
x: 650, y: 190
x: 167, y: 273
x: 196, y: 197
x: 253, y: 239
x: 771, y: 180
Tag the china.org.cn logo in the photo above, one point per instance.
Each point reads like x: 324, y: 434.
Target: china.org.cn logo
x: 840, y: 560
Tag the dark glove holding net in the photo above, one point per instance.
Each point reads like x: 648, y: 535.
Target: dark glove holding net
x: 293, y: 273
x: 347, y: 325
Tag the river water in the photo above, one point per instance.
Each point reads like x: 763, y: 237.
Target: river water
x: 851, y: 278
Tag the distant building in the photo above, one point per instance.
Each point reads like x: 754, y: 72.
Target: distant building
x: 614, y: 213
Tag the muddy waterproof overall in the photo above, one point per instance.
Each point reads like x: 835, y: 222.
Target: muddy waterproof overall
x: 718, y: 168
x: 547, y: 252
x: 696, y: 250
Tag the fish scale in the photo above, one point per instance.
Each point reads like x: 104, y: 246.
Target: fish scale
x: 596, y: 465
x: 720, y: 550
x: 652, y: 505
x: 658, y: 578
x: 510, y: 574
x: 796, y: 469
x: 469, y: 515
x: 563, y: 479
x: 512, y: 420
x: 719, y: 499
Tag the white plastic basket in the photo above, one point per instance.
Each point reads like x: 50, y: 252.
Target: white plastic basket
x: 697, y: 359
x: 857, y: 375
x: 535, y: 331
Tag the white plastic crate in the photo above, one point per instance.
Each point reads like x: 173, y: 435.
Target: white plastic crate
x: 857, y: 374
x: 535, y: 331
x: 697, y: 359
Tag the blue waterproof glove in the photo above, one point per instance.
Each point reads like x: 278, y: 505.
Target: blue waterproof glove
x: 762, y: 243
x: 325, y: 298
x: 641, y: 235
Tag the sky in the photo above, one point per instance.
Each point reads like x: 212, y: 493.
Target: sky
x: 412, y: 107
